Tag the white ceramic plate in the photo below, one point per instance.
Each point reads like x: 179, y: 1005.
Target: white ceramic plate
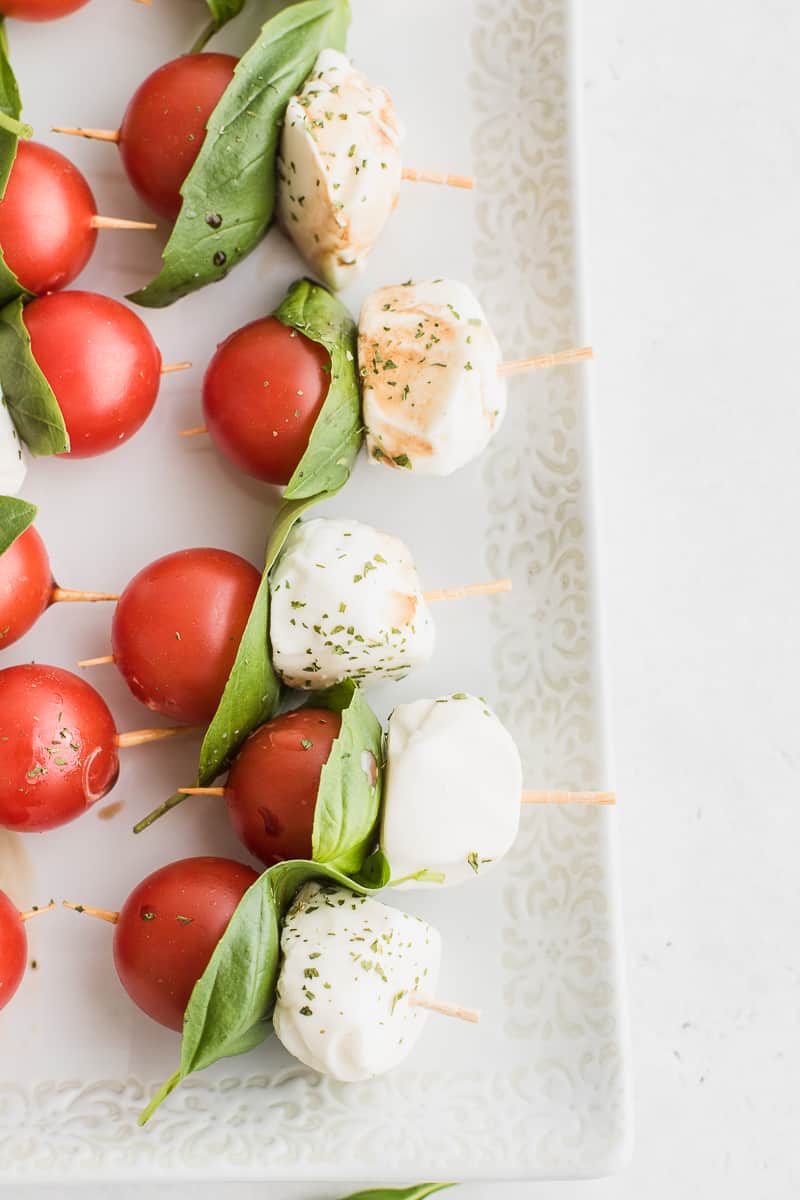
x: 541, y: 1088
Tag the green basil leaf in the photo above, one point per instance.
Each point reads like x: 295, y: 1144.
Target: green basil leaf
x: 230, y: 1006
x: 15, y: 517
x: 375, y: 873
x: 338, y: 430
x: 28, y: 396
x: 228, y: 1010
x: 417, y: 1191
x: 229, y: 194
x: 11, y: 130
x: 349, y: 795
x: 252, y: 692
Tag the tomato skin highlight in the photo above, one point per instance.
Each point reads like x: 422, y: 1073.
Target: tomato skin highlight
x: 58, y: 752
x: 13, y: 949
x: 177, y: 627
x: 101, y: 362
x: 168, y: 929
x: 45, y: 219
x: 262, y: 392
x: 272, y: 786
x: 39, y: 10
x: 26, y: 586
x: 164, y: 126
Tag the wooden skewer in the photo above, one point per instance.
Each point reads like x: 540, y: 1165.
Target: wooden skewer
x: 457, y: 181
x: 168, y: 368
x: 96, y: 662
x: 61, y: 595
x: 516, y: 366
x: 137, y: 737
x: 445, y: 1008
x: 530, y: 797
x: 520, y: 365
x: 95, y: 135
x: 34, y: 912
x: 119, y: 223
x: 569, y: 798
x: 103, y: 914
x: 490, y: 588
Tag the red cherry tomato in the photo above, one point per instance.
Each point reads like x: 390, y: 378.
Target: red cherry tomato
x: 13, y: 949
x: 58, y: 752
x: 262, y: 393
x: 39, y: 10
x: 177, y: 628
x: 273, y: 783
x: 168, y: 929
x: 102, y: 364
x: 26, y: 586
x: 165, y: 125
x: 45, y: 219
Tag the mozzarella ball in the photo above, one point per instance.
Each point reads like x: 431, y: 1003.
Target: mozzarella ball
x: 339, y: 168
x: 346, y: 604
x: 12, y: 463
x: 349, y: 965
x: 452, y: 791
x: 432, y: 395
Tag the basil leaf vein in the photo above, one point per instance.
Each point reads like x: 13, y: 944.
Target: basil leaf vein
x: 229, y: 194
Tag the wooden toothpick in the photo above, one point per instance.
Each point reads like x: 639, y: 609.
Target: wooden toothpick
x: 61, y: 595
x: 490, y: 588
x: 457, y: 181
x: 534, y: 797
x: 102, y: 914
x: 445, y: 1008
x: 137, y: 737
x: 95, y: 135
x: 561, y: 358
x: 169, y: 368
x: 98, y: 222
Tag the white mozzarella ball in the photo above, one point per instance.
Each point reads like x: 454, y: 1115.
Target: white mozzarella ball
x: 12, y: 463
x: 349, y: 965
x: 432, y: 394
x: 339, y: 168
x: 346, y: 604
x: 452, y: 791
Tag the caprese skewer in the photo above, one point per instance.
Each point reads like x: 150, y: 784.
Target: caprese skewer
x: 433, y: 384
x: 452, y: 789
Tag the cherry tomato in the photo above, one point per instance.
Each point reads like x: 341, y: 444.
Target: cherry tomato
x: 168, y: 929
x: 262, y: 393
x: 39, y: 10
x: 45, y: 219
x: 272, y: 786
x: 177, y: 628
x: 58, y: 752
x: 13, y: 949
x: 26, y: 586
x: 102, y: 364
x: 165, y: 125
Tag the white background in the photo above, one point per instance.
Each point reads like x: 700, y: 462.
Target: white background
x: 692, y: 145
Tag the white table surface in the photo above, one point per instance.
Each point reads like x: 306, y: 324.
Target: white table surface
x: 692, y: 122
